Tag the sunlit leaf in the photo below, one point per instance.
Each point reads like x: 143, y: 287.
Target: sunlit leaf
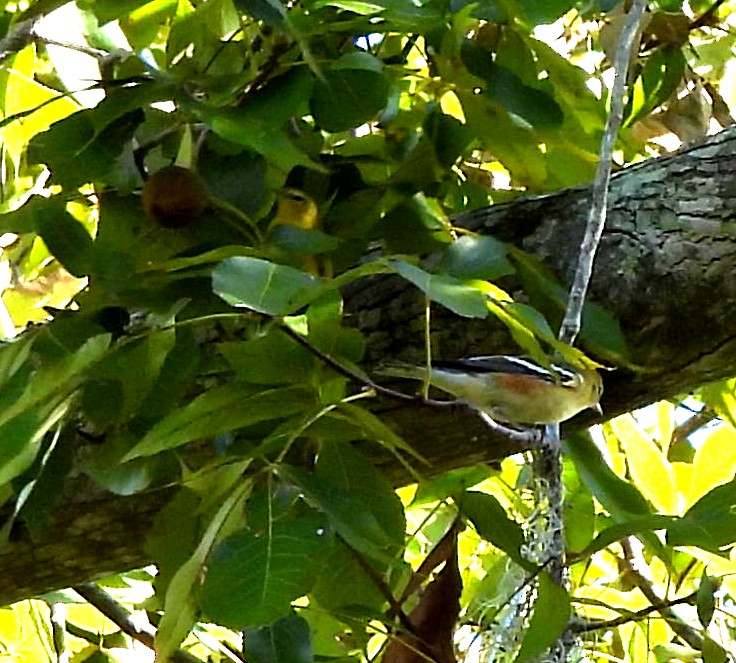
x: 649, y: 467
x: 492, y: 523
x: 263, y: 286
x: 658, y: 80
x: 446, y: 290
x: 220, y: 410
x: 714, y: 462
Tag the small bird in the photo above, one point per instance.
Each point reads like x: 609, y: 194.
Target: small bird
x: 295, y: 208
x: 511, y: 389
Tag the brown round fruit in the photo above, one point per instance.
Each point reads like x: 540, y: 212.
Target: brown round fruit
x: 174, y: 196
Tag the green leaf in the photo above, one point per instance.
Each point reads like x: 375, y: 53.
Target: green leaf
x: 133, y: 369
x: 450, y: 483
x: 271, y: 12
x: 346, y: 513
x: 619, y: 497
x: 263, y: 286
x: 373, y: 428
x: 23, y: 219
x: 414, y: 226
x: 600, y: 329
x: 477, y: 257
x: 299, y: 240
x: 713, y: 652
x: 253, y: 577
x: 353, y: 92
x: 452, y: 293
x: 706, y: 600
x: 448, y: 135
x: 341, y: 466
x: 180, y: 607
x: 545, y: 11
x: 270, y: 359
x: 491, y: 522
x: 505, y: 88
x: 83, y: 147
x: 287, y: 640
x: 22, y: 438
x: 549, y: 619
x: 657, y: 82
x: 710, y: 523
x: 256, y: 132
x: 66, y: 238
x: 344, y: 583
x: 516, y: 147
x: 56, y: 380
x: 220, y: 410
x: 636, y: 525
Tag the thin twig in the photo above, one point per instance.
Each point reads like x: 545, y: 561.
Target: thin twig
x: 598, y: 209
x: 116, y: 613
x: 690, y: 425
x: 17, y: 39
x: 636, y: 566
x: 531, y: 437
x: 547, y: 460
x: 706, y: 15
x: 361, y: 378
x: 627, y: 617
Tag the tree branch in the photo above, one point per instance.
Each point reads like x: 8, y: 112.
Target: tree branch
x: 116, y: 613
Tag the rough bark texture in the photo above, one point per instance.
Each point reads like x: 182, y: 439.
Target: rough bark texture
x: 665, y: 269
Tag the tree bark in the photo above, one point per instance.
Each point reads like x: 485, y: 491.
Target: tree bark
x: 665, y: 270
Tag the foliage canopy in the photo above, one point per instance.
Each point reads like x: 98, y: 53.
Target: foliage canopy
x: 159, y: 347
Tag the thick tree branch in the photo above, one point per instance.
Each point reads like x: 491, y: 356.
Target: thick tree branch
x: 664, y: 269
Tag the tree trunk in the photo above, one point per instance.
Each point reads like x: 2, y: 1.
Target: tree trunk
x: 664, y: 269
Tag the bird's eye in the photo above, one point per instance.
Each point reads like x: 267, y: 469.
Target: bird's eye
x: 299, y: 197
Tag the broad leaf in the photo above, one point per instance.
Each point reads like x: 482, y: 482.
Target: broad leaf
x: 493, y: 524
x: 353, y: 91
x: 446, y: 290
x: 549, y: 619
x: 220, y: 410
x: 263, y: 286
x: 477, y: 257
x: 287, y: 640
x: 253, y: 577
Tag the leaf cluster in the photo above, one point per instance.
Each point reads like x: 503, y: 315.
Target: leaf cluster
x: 156, y: 355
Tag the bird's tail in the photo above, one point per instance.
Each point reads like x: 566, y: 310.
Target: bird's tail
x: 398, y: 369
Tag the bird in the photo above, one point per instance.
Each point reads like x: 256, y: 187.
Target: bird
x: 295, y: 208
x: 511, y: 389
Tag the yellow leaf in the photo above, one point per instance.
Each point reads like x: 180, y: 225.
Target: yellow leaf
x: 648, y: 466
x: 714, y: 462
